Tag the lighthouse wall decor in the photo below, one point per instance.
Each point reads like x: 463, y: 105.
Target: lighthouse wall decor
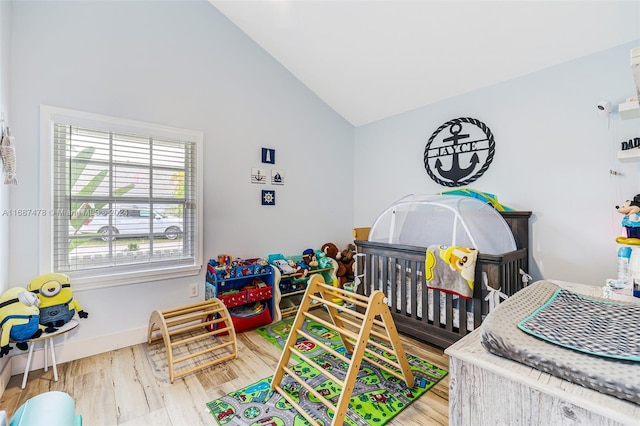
x: 269, y: 155
x: 459, y: 152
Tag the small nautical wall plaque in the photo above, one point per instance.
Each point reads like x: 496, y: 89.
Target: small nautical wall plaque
x: 268, y: 197
x: 459, y: 152
x: 269, y: 155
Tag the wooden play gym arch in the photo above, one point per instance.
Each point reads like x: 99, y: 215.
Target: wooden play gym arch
x: 355, y: 342
x: 190, y: 323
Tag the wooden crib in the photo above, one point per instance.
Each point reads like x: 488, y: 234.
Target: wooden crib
x: 433, y: 316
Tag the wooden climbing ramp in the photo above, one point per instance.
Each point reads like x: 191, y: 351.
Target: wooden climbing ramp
x: 356, y: 329
x: 190, y: 324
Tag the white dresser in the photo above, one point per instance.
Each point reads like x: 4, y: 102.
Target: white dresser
x: 485, y: 389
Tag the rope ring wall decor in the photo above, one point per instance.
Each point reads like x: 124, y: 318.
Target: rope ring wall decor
x: 461, y: 155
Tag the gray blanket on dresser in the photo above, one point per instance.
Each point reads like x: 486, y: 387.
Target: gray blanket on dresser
x: 500, y: 335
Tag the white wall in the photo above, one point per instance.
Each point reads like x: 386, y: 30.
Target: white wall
x: 181, y: 64
x: 5, y: 49
x: 553, y: 156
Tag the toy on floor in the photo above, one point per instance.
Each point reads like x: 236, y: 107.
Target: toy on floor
x: 345, y: 260
x: 48, y: 408
x: 57, y: 304
x: 19, y: 317
x: 346, y: 265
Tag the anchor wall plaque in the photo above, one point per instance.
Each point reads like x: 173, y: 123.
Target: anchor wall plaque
x: 459, y: 152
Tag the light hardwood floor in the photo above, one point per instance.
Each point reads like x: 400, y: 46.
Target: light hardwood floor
x: 122, y: 387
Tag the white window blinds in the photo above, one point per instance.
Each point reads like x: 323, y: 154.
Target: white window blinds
x: 122, y: 201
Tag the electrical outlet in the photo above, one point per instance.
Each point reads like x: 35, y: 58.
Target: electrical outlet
x: 193, y: 290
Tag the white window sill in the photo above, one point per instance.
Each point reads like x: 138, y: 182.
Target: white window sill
x: 119, y: 279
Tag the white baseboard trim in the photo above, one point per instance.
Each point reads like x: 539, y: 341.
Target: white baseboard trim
x: 5, y: 373
x: 72, y: 350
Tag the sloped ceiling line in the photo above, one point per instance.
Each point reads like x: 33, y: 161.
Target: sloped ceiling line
x: 369, y: 60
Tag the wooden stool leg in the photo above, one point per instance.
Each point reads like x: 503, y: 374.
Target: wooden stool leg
x: 28, y: 367
x: 46, y: 366
x: 53, y: 360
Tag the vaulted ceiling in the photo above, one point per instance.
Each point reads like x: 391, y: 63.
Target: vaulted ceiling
x: 370, y: 60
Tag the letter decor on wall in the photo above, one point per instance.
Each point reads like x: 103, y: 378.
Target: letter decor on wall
x: 631, y: 144
x: 459, y: 152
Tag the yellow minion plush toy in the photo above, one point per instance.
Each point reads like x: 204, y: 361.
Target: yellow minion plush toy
x: 57, y: 305
x: 18, y: 318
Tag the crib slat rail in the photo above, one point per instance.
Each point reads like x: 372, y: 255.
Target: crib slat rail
x: 371, y: 310
x: 430, y: 315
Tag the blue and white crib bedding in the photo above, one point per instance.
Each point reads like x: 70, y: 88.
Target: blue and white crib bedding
x: 539, y: 324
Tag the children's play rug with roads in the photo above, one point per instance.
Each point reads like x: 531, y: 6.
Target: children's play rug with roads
x: 376, y: 398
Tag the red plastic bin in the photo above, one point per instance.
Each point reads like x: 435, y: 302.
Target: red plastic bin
x: 249, y: 323
x: 231, y: 300
x: 260, y: 293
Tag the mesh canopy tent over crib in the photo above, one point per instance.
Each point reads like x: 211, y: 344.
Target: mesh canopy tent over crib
x: 393, y: 261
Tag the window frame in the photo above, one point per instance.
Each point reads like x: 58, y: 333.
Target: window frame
x: 98, y: 278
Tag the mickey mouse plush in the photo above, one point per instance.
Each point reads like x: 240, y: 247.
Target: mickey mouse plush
x: 631, y: 221
x: 631, y: 208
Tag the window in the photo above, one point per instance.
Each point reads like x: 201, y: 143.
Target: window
x: 123, y: 201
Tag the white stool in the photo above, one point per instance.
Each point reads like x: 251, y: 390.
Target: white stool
x: 44, y: 337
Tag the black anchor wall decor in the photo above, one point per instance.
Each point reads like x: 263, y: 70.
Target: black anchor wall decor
x: 459, y: 152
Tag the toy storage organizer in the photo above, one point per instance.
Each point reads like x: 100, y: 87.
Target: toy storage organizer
x: 290, y: 288
x: 245, y: 289
x: 393, y: 261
